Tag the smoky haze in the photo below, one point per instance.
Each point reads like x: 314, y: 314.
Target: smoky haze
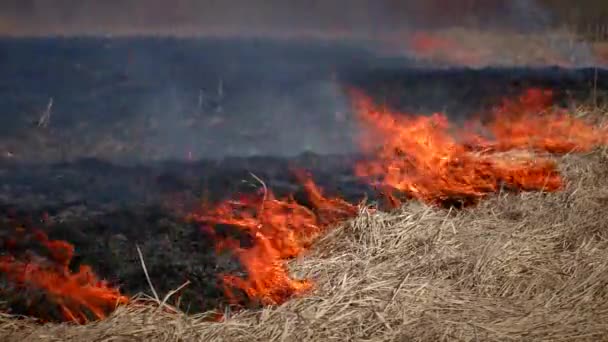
x: 174, y: 99
x: 369, y: 17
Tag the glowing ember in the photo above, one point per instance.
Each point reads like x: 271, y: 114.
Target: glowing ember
x: 79, y: 296
x: 419, y: 156
x: 278, y: 229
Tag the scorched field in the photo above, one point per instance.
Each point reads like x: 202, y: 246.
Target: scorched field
x: 255, y: 190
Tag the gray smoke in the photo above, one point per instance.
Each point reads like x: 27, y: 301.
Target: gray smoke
x: 338, y: 17
x: 272, y: 101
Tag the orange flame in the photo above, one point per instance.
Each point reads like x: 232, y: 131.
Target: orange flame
x: 80, y: 296
x: 530, y: 122
x: 419, y: 156
x: 279, y: 229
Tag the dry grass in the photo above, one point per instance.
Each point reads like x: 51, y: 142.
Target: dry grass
x: 531, y: 266
x: 479, y: 48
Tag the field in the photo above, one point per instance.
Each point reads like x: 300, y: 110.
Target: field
x: 517, y: 267
x: 111, y: 144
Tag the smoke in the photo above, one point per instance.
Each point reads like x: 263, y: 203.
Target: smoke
x: 279, y: 17
x: 276, y: 98
x: 387, y: 23
x: 246, y: 98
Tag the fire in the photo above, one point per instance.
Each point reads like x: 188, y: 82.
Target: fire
x: 432, y: 46
x: 279, y: 229
x: 422, y: 157
x: 79, y: 296
x: 530, y: 122
x: 426, y: 44
x: 329, y: 211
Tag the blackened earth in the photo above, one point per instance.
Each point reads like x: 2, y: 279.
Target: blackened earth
x: 107, y: 210
x: 141, y: 99
x: 139, y: 135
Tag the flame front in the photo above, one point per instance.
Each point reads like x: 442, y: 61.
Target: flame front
x: 422, y: 157
x: 79, y: 296
x: 530, y: 122
x: 279, y: 229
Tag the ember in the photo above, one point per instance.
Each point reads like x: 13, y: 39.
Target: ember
x: 75, y: 296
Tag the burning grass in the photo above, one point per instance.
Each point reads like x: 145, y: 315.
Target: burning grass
x: 477, y: 48
x: 527, y: 266
x: 279, y: 229
x: 515, y: 266
x: 428, y: 159
x: 48, y: 284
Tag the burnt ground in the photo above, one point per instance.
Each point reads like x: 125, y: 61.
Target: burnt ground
x: 139, y: 133
x: 106, y: 210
